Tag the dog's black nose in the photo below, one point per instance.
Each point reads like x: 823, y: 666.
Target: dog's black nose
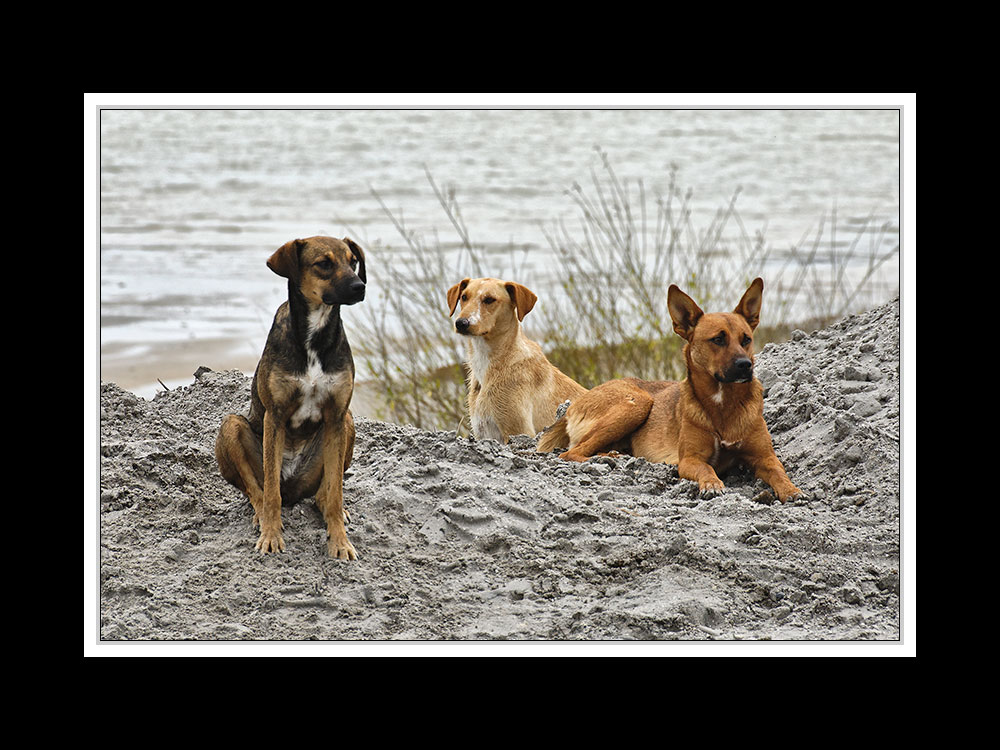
x: 346, y: 294
x: 462, y: 325
x: 743, y: 366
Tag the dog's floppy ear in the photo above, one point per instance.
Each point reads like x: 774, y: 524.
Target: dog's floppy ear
x: 285, y: 260
x: 683, y: 312
x: 749, y: 306
x: 523, y: 298
x: 360, y: 255
x: 453, y: 294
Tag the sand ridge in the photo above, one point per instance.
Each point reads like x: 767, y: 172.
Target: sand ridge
x: 473, y: 540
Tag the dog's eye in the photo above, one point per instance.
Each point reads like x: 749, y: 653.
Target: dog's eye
x: 488, y: 300
x: 720, y: 339
x: 465, y: 298
x: 746, y: 341
x: 326, y: 264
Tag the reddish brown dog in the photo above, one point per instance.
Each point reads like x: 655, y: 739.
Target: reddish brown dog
x: 705, y: 424
x: 299, y: 437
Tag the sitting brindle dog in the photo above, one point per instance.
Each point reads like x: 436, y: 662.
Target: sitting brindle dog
x: 299, y: 437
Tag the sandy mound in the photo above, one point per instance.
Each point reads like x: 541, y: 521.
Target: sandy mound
x: 461, y: 539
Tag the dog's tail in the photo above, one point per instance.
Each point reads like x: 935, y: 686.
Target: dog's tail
x: 555, y: 435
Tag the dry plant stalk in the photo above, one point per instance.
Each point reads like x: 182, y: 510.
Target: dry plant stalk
x: 609, y: 319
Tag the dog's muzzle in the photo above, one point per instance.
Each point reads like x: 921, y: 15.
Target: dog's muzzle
x: 740, y: 371
x: 462, y: 325
x: 348, y: 295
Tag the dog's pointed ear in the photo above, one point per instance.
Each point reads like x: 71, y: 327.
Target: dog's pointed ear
x: 749, y: 306
x: 683, y: 312
x: 523, y: 298
x: 285, y: 260
x: 360, y: 255
x: 453, y: 294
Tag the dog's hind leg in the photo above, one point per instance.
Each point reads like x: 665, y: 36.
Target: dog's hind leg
x: 239, y: 453
x: 349, y: 435
x: 603, y: 417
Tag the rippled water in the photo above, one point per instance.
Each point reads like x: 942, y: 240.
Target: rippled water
x: 193, y: 201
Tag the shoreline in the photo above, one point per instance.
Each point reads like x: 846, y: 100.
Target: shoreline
x: 145, y: 369
x: 138, y: 367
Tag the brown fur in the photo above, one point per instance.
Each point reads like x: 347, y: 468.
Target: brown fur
x: 704, y: 424
x: 513, y: 388
x: 299, y: 437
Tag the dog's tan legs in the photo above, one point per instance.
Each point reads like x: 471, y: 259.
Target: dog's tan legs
x: 269, y: 514
x: 238, y: 453
x: 614, y: 421
x: 697, y: 448
x: 772, y: 472
x: 349, y: 434
x: 698, y: 470
x: 758, y: 452
x: 338, y: 446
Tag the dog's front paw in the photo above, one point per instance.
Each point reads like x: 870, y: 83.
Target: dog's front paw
x: 791, y: 492
x: 270, y: 541
x: 710, y: 487
x: 784, y: 490
x: 340, y: 548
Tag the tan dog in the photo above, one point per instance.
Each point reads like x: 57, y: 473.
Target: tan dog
x: 513, y: 388
x: 299, y: 437
x: 704, y: 424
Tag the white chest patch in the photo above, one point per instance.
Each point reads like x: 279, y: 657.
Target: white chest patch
x: 317, y: 319
x: 315, y: 385
x: 717, y: 396
x: 479, y: 358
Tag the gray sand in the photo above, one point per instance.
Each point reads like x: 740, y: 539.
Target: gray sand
x: 460, y: 539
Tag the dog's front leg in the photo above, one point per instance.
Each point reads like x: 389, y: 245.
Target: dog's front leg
x: 762, y: 459
x: 269, y: 514
x: 698, y: 471
x: 330, y: 498
x: 696, y: 450
x: 772, y: 472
